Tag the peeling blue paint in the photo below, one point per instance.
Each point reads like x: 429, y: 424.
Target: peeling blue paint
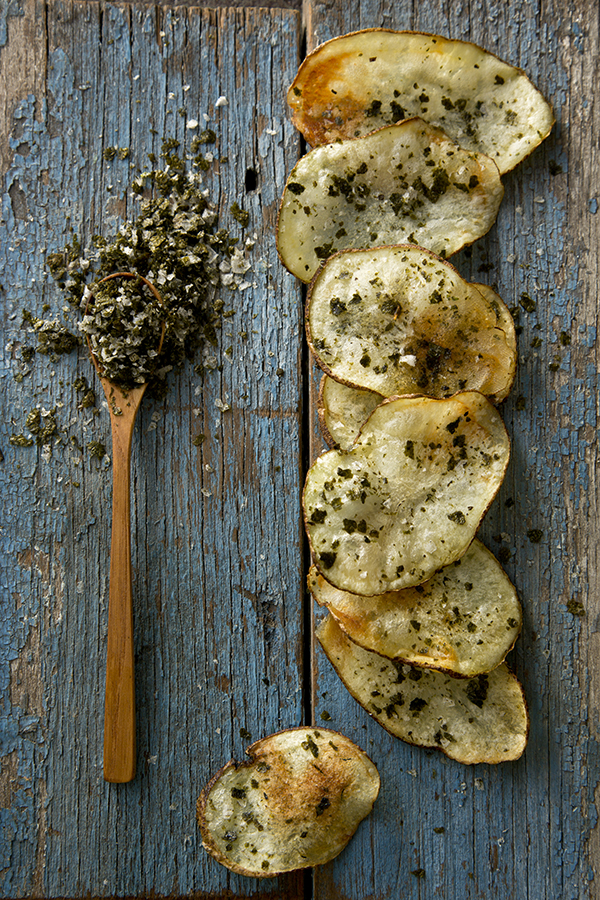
x: 10, y: 9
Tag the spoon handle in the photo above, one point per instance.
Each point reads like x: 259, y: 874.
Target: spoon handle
x: 119, y: 706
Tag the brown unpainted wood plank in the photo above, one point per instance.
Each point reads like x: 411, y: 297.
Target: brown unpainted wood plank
x: 527, y: 829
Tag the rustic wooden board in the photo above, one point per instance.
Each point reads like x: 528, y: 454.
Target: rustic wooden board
x: 218, y: 575
x: 218, y: 580
x: 527, y: 829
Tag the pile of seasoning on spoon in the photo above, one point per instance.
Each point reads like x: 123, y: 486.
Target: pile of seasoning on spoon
x: 176, y: 244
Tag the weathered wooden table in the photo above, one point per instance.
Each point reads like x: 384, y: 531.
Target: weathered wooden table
x: 223, y: 626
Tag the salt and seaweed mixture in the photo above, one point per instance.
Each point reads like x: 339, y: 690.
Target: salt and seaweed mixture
x: 175, y: 243
x: 123, y: 323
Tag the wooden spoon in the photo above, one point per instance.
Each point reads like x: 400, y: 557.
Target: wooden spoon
x: 119, y: 703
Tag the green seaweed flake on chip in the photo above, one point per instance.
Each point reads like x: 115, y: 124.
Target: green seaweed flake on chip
x: 476, y: 720
x: 400, y: 320
x: 296, y: 803
x: 463, y: 621
x: 358, y: 82
x: 407, y: 498
x: 408, y: 183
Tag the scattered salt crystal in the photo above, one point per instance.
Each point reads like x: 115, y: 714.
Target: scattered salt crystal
x: 239, y: 265
x: 191, y: 124
x: 222, y: 101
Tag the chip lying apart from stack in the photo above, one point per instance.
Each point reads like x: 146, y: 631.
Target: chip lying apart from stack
x: 408, y: 496
x: 358, y: 82
x: 476, y: 720
x: 295, y: 804
x: 400, y: 320
x: 406, y: 183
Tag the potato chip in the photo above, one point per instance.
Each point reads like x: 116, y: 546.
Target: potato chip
x: 400, y: 320
x: 356, y: 83
x: 408, y: 183
x: 295, y: 804
x: 343, y: 410
x: 407, y: 498
x: 463, y: 621
x: 475, y: 720
x: 504, y: 316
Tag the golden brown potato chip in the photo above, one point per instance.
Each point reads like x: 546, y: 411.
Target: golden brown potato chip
x: 295, y: 804
x: 343, y: 410
x: 358, y: 82
x: 475, y: 720
x: 407, y: 498
x: 400, y: 320
x: 408, y: 183
x: 463, y: 621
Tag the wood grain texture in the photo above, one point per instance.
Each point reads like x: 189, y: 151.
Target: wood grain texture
x: 527, y: 829
x: 217, y: 541
x: 216, y: 537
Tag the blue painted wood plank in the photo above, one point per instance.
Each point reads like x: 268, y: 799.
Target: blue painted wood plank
x: 527, y: 829
x: 218, y: 580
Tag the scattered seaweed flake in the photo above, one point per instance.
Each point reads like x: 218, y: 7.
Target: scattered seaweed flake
x: 96, y: 449
x: 53, y: 338
x: 240, y: 215
x: 42, y: 427
x: 20, y: 440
